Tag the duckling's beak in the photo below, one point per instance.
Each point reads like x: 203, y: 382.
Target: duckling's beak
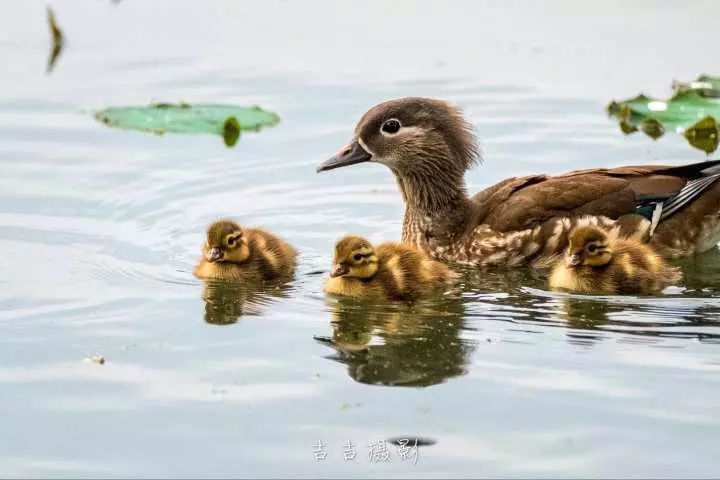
x: 339, y: 270
x: 573, y: 260
x: 350, y: 154
x: 213, y: 255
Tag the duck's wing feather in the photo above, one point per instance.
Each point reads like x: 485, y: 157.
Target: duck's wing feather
x: 520, y: 203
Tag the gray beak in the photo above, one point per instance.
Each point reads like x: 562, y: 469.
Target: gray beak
x: 573, y: 260
x: 213, y: 255
x: 339, y: 270
x: 350, y: 154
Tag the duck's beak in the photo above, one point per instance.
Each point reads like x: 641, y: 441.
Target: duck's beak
x: 350, y: 154
x: 573, y: 260
x: 213, y: 255
x: 339, y: 270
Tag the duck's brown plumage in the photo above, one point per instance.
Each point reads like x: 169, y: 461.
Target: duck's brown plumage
x: 526, y: 219
x: 251, y: 254
x: 390, y: 270
x: 598, y: 260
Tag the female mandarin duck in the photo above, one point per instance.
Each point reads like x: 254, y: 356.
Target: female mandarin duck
x: 233, y: 253
x: 428, y: 145
x: 392, y: 270
x: 598, y: 260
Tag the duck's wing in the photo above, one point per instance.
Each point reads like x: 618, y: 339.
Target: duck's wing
x: 520, y: 203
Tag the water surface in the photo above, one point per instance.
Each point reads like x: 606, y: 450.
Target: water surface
x: 99, y: 230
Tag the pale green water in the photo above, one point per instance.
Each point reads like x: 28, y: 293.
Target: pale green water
x: 99, y: 230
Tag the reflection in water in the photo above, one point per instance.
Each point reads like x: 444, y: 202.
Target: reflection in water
x: 226, y: 302
x: 521, y: 297
x: 641, y: 317
x: 420, y: 345
x: 499, y: 280
x: 399, y: 344
x: 701, y: 274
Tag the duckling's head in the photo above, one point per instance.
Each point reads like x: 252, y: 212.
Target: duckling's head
x: 226, y: 243
x: 411, y: 135
x: 588, y: 246
x: 354, y: 258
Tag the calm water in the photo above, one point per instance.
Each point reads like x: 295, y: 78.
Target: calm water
x: 99, y: 230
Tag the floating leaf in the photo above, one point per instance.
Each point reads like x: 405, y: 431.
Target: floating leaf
x: 627, y: 128
x: 705, y: 85
x: 693, y: 111
x: 224, y: 120
x: 652, y: 128
x: 57, y: 40
x: 703, y: 135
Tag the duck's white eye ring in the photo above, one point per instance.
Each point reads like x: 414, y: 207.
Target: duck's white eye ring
x: 391, y: 127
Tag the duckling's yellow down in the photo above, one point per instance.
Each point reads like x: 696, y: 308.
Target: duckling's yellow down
x: 600, y: 261
x: 390, y: 270
x: 233, y: 253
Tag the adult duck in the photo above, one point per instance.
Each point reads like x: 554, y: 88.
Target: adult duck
x: 429, y: 146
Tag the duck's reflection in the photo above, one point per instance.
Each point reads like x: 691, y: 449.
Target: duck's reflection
x: 701, y: 274
x: 226, y: 302
x: 508, y: 281
x: 399, y: 344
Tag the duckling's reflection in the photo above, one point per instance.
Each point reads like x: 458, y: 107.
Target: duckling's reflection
x: 589, y: 320
x: 585, y: 318
x: 399, y: 344
x: 226, y: 302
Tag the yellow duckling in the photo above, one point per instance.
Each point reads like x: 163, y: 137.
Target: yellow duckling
x: 234, y: 253
x: 392, y: 270
x: 599, y: 261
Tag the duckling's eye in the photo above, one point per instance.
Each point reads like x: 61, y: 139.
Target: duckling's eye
x: 357, y: 257
x: 592, y: 248
x: 391, y: 126
x: 232, y: 241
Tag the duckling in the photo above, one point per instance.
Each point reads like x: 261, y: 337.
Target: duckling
x: 428, y: 145
x: 392, y: 270
x: 600, y: 261
x: 233, y: 253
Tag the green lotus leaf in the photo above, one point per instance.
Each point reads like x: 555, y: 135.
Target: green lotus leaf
x: 693, y: 111
x: 705, y: 85
x: 703, y: 135
x: 228, y: 121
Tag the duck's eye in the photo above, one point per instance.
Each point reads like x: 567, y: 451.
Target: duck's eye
x: 391, y: 126
x: 592, y: 248
x: 357, y: 257
x: 231, y: 242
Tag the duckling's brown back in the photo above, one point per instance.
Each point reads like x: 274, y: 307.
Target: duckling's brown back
x: 406, y: 272
x: 637, y: 268
x: 272, y: 256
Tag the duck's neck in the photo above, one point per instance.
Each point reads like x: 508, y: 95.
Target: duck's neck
x: 437, y: 208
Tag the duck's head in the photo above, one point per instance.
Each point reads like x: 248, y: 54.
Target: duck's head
x: 354, y: 258
x: 588, y: 246
x: 225, y: 243
x: 411, y: 136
